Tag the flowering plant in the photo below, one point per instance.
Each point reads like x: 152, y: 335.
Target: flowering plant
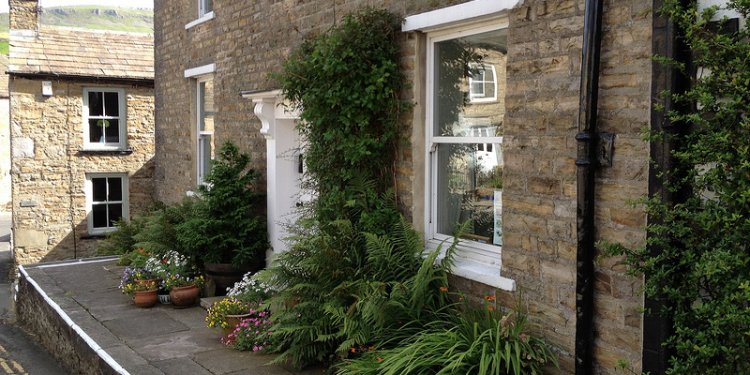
x: 249, y: 289
x: 178, y: 280
x: 252, y: 333
x: 131, y: 288
x: 131, y: 274
x: 174, y: 269
x: 218, y: 312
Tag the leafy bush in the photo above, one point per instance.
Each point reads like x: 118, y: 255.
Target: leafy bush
x: 154, y: 232
x: 227, y: 223
x: 702, y: 266
x: 332, y: 306
x: 477, y: 341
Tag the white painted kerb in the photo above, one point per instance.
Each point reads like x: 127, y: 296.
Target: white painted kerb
x: 77, y: 329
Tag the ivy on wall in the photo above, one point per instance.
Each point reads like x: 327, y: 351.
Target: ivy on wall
x: 702, y: 266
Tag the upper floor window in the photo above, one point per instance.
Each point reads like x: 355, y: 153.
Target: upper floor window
x: 104, y: 120
x: 205, y: 109
x: 106, y: 201
x: 205, y: 7
x: 466, y: 108
x: 482, y: 83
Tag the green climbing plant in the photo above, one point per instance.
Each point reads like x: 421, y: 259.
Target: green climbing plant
x: 702, y: 266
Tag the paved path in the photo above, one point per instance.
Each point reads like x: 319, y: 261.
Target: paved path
x: 159, y: 340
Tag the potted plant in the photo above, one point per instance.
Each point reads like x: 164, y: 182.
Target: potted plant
x: 163, y: 267
x: 227, y: 229
x: 184, y: 290
x: 226, y: 314
x: 143, y: 293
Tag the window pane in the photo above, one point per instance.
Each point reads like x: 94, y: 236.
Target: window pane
x: 112, y: 131
x: 115, y: 213
x: 115, y: 189
x: 206, y: 105
x: 209, y: 5
x: 469, y: 187
x: 204, y: 155
x: 95, y: 104
x: 99, y: 189
x: 455, y: 61
x: 111, y: 104
x: 96, y: 130
x: 99, y: 213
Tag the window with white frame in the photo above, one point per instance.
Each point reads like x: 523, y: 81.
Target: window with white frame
x: 205, y: 7
x: 104, y: 119
x: 482, y: 83
x: 106, y: 201
x: 466, y: 65
x: 205, y: 110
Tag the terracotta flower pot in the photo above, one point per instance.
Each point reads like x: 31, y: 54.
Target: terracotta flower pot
x: 231, y: 323
x: 146, y: 298
x: 184, y: 296
x: 224, y: 275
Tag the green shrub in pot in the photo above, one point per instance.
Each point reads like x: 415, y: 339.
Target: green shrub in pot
x: 228, y: 224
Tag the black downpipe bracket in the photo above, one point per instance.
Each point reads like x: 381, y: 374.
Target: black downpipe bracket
x: 586, y: 173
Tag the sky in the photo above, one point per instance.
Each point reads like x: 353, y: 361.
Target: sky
x: 120, y: 3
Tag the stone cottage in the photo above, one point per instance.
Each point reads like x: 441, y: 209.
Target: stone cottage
x: 82, y: 134
x: 536, y: 108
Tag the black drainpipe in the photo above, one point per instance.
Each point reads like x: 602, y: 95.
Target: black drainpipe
x: 586, y: 173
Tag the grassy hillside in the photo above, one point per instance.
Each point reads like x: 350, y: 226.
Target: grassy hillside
x: 100, y: 18
x: 89, y: 17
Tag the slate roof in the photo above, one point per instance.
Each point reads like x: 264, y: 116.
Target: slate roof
x: 85, y: 53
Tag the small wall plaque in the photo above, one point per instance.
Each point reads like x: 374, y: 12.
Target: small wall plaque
x: 47, y: 88
x: 28, y: 203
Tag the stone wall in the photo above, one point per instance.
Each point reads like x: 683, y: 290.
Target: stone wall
x: 51, y: 331
x: 49, y: 168
x: 5, y: 196
x: 540, y: 175
x: 247, y: 40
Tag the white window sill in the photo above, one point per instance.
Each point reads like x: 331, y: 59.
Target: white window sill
x: 206, y: 17
x: 488, y: 274
x: 106, y: 149
x: 101, y: 231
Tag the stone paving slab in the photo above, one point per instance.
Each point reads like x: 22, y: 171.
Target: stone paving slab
x: 159, y: 340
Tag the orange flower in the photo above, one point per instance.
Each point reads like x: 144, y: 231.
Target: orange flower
x: 489, y: 298
x: 353, y: 350
x: 443, y: 289
x: 380, y: 359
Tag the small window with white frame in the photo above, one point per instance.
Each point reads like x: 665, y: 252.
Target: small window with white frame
x: 465, y: 112
x: 106, y: 201
x: 104, y: 119
x: 482, y: 83
x: 205, y: 109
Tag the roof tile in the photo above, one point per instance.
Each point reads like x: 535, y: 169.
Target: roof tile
x: 65, y: 51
